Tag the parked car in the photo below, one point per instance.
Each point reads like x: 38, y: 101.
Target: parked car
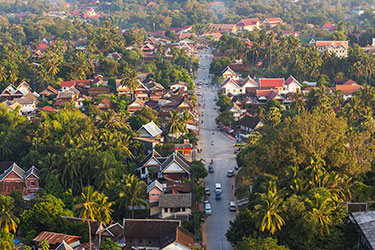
x: 207, y: 191
x: 206, y: 200
x: 199, y: 94
x: 230, y: 173
x: 232, y: 206
x: 210, y: 168
x: 207, y: 209
x: 218, y: 195
x: 236, y: 167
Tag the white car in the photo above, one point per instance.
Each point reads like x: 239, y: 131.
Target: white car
x: 207, y: 209
x: 232, y: 206
x: 199, y: 94
x: 207, y: 191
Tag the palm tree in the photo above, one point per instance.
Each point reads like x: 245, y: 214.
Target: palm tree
x: 298, y: 101
x: 133, y: 192
x: 186, y: 117
x: 8, y: 221
x: 87, y: 206
x: 131, y: 81
x: 175, y: 125
x: 268, y: 209
x: 104, y: 212
x: 321, y: 209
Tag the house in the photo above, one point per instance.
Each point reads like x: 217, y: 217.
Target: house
x: 175, y: 206
x: 99, y: 81
x: 11, y: 92
x: 156, y: 234
x: 264, y: 95
x: 184, y: 104
x: 235, y: 87
x: 348, y: 90
x: 273, y: 21
x: 67, y: 95
x: 246, y: 125
x: 179, y: 85
x: 248, y: 24
x: 155, y: 90
x: 154, y: 190
x: 150, y: 130
x: 46, y: 109
x: 114, y: 232
x: 28, y: 103
x: 48, y: 92
x: 329, y: 27
x: 272, y: 83
x: 56, y: 239
x: 230, y: 73
x: 364, y: 224
x: 236, y: 111
x: 64, y: 246
x: 339, y: 48
x: 105, y: 104
x: 141, y: 91
x: 152, y: 162
x: 224, y: 28
x: 175, y: 167
x: 136, y: 105
x: 291, y: 85
x: 15, y: 178
x: 11, y: 106
x: 96, y: 91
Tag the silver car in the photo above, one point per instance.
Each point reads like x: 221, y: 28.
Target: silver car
x: 232, y: 206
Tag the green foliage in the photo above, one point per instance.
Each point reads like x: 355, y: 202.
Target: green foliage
x: 198, y: 169
x: 108, y: 244
x: 259, y: 244
x: 8, y: 221
x: 223, y: 102
x: 226, y: 118
x: 242, y: 226
x: 6, y: 241
x: 218, y: 65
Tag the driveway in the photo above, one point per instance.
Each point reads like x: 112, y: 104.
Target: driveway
x: 224, y: 159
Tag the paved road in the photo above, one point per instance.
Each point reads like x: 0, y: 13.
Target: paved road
x: 224, y: 159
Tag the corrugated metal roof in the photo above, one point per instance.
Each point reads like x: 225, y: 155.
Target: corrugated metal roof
x: 55, y: 238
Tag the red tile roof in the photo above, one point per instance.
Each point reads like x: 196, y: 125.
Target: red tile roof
x: 55, y: 238
x: 271, y: 82
x: 273, y: 20
x: 248, y: 22
x: 67, y: 83
x: 333, y: 43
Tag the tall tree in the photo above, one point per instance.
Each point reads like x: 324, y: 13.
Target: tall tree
x: 133, y: 192
x: 87, y: 207
x: 103, y: 213
x: 8, y: 221
x: 268, y: 209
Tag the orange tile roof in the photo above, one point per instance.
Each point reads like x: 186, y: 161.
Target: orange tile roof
x: 271, y: 82
x: 348, y: 89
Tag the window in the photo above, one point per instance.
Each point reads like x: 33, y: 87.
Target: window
x: 183, y: 209
x: 32, y: 183
x: 165, y: 210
